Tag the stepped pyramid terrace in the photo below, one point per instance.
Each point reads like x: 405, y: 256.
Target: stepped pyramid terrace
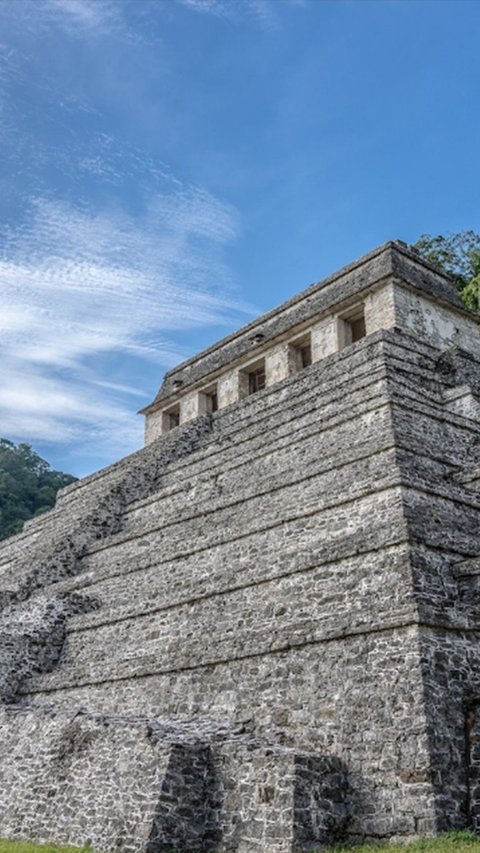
x: 261, y: 632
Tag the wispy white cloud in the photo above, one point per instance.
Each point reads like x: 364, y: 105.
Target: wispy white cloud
x: 38, y: 407
x: 94, y: 297
x: 262, y: 12
x: 90, y: 16
x: 79, y: 287
x: 78, y: 19
x: 219, y: 8
x: 89, y: 13
x: 91, y: 299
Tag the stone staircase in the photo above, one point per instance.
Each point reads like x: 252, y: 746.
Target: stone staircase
x: 197, y: 580
x: 155, y: 549
x: 182, y: 561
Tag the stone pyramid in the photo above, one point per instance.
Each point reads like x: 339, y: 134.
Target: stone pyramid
x: 261, y: 631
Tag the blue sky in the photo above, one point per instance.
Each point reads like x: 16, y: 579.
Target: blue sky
x: 172, y: 168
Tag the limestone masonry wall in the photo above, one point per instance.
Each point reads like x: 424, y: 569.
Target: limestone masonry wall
x: 260, y: 632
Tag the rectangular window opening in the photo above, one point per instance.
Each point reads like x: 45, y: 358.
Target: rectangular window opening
x: 254, y: 378
x: 351, y: 327
x: 210, y: 400
x: 172, y: 418
x: 357, y: 326
x: 306, y: 355
x: 302, y: 353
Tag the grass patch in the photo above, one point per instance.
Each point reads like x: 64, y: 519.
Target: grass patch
x: 452, y: 842
x: 32, y: 847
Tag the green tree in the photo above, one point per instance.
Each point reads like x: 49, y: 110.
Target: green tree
x: 459, y: 255
x: 28, y: 486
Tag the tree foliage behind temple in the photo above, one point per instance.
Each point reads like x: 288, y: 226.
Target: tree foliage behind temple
x: 28, y: 486
x: 459, y: 255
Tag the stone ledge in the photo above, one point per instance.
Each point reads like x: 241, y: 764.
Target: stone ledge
x: 467, y: 568
x: 462, y: 401
x: 469, y: 476
x: 149, y: 665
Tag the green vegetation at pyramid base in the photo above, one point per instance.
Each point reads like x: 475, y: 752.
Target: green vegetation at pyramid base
x: 453, y: 842
x: 7, y: 846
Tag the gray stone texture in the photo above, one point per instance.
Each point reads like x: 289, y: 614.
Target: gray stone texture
x: 260, y: 632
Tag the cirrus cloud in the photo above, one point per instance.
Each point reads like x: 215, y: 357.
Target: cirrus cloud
x: 79, y: 288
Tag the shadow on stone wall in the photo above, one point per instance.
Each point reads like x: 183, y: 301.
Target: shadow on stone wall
x: 187, y: 813
x: 320, y: 801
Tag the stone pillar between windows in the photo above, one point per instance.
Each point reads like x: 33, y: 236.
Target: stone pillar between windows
x: 280, y: 362
x: 189, y: 407
x: 228, y: 388
x: 243, y: 384
x: 325, y: 338
x: 344, y: 331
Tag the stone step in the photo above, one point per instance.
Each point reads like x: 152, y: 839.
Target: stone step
x: 303, y: 456
x: 267, y: 440
x: 276, y: 603
x: 461, y: 400
x: 161, y: 518
x: 155, y: 631
x: 442, y: 522
x: 437, y: 477
x: 273, y: 419
x: 469, y: 476
x: 428, y: 433
x: 333, y: 491
x: 157, y: 648
x: 467, y: 568
x: 298, y: 423
x: 148, y: 581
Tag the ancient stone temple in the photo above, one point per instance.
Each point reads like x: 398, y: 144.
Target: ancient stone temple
x: 261, y: 632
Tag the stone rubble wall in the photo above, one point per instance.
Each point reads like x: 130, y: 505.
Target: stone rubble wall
x: 357, y: 699
x: 439, y: 456
x: 32, y: 625
x: 429, y: 320
x: 131, y: 783
x: 237, y: 522
x: 79, y: 780
x: 451, y: 674
x: 259, y: 552
x: 32, y: 637
x: 282, y: 799
x: 272, y: 567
